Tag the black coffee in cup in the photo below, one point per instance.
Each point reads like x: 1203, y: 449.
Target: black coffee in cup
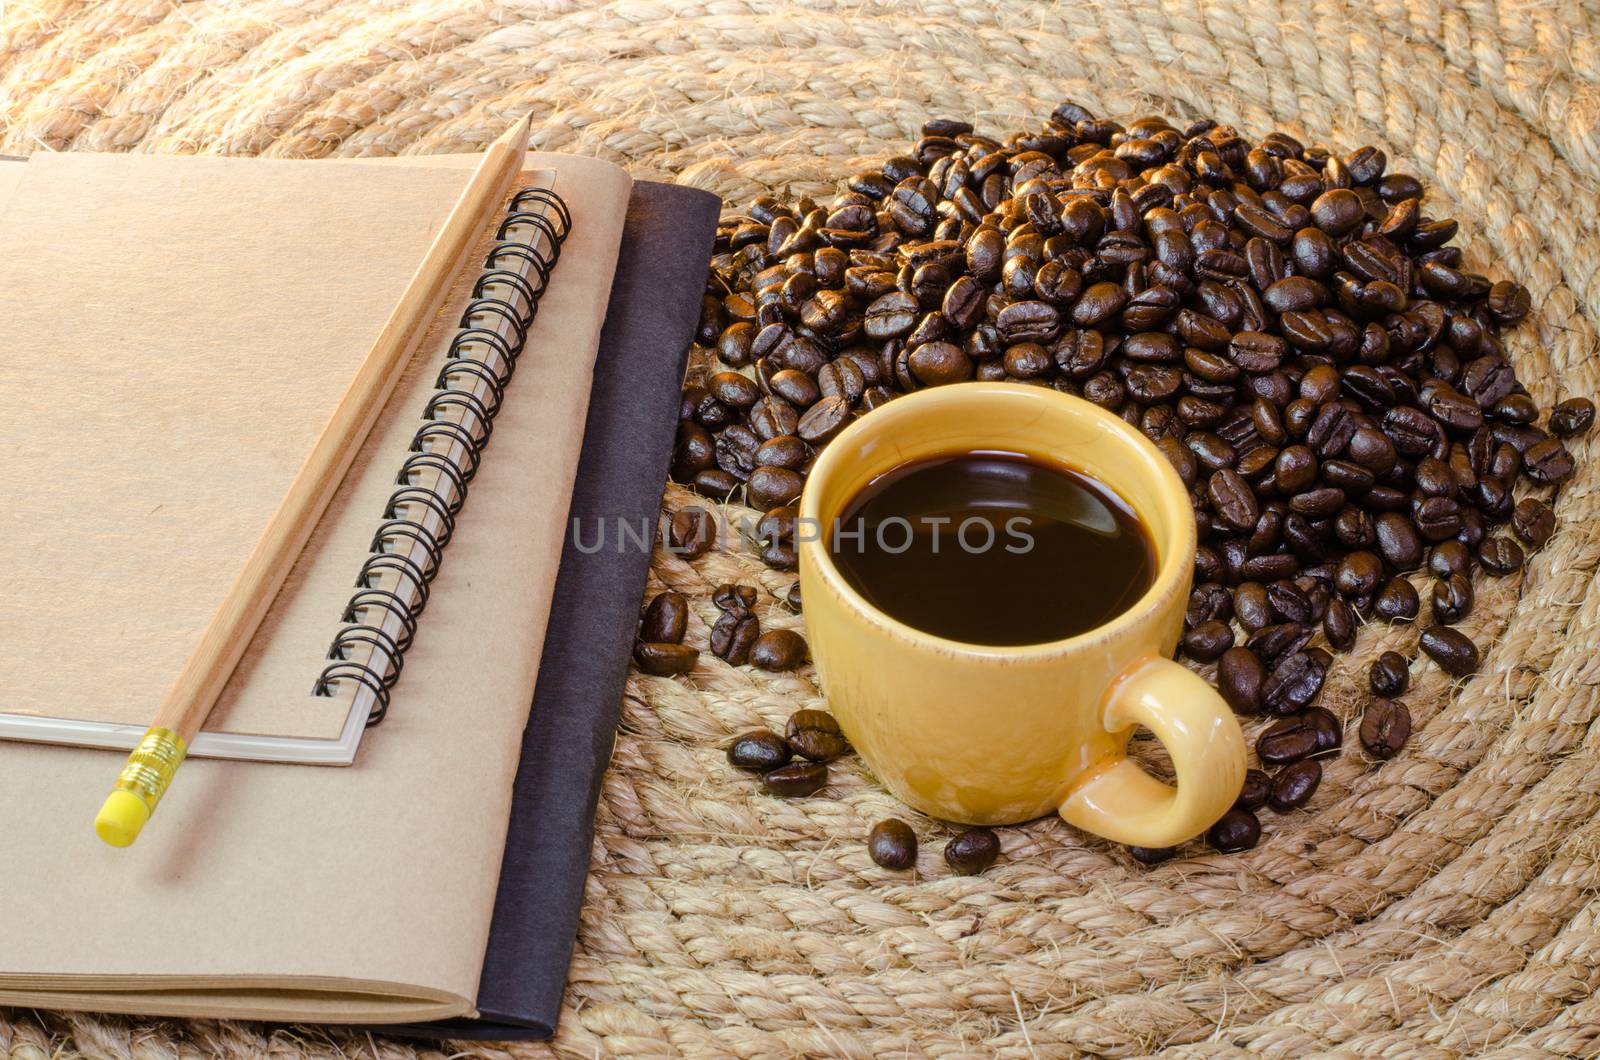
x: 994, y: 548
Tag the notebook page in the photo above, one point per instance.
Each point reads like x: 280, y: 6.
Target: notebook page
x: 178, y: 331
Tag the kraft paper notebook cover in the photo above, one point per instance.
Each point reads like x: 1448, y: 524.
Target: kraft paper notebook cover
x: 310, y: 888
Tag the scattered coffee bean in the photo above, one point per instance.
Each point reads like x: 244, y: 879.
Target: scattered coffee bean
x: 795, y: 780
x: 792, y: 598
x: 892, y: 845
x: 1572, y: 416
x: 665, y: 619
x: 777, y: 650
x: 1500, y: 555
x: 759, y: 750
x: 1397, y: 601
x: 1533, y: 521
x: 1294, y: 785
x: 1152, y: 855
x: 1451, y: 649
x: 972, y: 851
x: 734, y: 635
x: 1287, y: 741
x: 664, y: 660
x: 1452, y: 599
x: 1237, y: 830
x: 693, y: 532
x: 1385, y: 727
x: 1389, y: 675
x: 1449, y: 557
x: 1253, y: 796
x: 1330, y: 733
x: 815, y: 734
x: 811, y: 720
x: 734, y: 597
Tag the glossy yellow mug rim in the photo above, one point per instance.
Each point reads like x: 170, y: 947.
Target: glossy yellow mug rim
x: 1170, y: 554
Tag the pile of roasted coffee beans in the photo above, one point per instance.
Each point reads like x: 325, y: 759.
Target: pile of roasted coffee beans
x: 1287, y: 323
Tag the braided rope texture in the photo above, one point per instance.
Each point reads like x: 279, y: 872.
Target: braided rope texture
x: 1441, y: 904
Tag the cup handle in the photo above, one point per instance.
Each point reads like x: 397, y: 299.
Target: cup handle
x: 1121, y: 802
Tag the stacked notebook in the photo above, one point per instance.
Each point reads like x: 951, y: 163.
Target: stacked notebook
x: 180, y: 329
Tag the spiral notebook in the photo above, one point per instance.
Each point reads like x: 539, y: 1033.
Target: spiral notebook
x: 186, y: 326
x: 276, y: 891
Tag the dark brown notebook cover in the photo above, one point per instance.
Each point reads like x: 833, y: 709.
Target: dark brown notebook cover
x: 632, y: 421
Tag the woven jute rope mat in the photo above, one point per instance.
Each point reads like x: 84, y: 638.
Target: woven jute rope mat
x: 1441, y: 904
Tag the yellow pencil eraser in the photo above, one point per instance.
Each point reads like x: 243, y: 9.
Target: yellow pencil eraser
x: 121, y: 818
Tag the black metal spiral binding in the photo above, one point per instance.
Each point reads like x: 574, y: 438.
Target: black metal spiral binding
x: 420, y: 515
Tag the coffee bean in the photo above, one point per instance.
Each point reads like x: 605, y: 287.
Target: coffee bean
x: 1339, y: 625
x: 1572, y: 416
x: 972, y: 851
x: 1398, y: 541
x: 1294, y: 785
x: 1453, y: 650
x: 1389, y: 674
x: 1397, y: 601
x: 1253, y: 795
x: 1358, y: 574
x: 733, y: 635
x: 771, y: 487
x: 795, y: 780
x: 1385, y: 727
x: 777, y: 650
x: 1288, y: 740
x: 1152, y: 855
x: 1548, y: 462
x: 1208, y: 602
x: 1278, y: 641
x: 804, y: 720
x: 1295, y: 681
x: 1232, y: 499
x: 786, y: 451
x: 1533, y: 521
x: 714, y: 482
x: 892, y: 845
x: 792, y: 597
x: 1449, y: 557
x: 664, y: 660
x: 1337, y: 212
x: 1500, y: 555
x: 1240, y: 677
x: 821, y: 422
x: 692, y: 533
x: 1452, y: 599
x: 937, y: 363
x: 665, y: 619
x: 730, y: 597
x: 1330, y: 733
x: 1208, y: 640
x: 1236, y: 830
x: 818, y: 745
x: 1098, y: 303
x: 759, y: 750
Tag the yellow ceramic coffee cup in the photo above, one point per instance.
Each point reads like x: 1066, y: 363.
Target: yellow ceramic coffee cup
x: 995, y: 735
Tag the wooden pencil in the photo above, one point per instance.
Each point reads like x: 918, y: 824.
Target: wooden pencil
x: 181, y: 714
